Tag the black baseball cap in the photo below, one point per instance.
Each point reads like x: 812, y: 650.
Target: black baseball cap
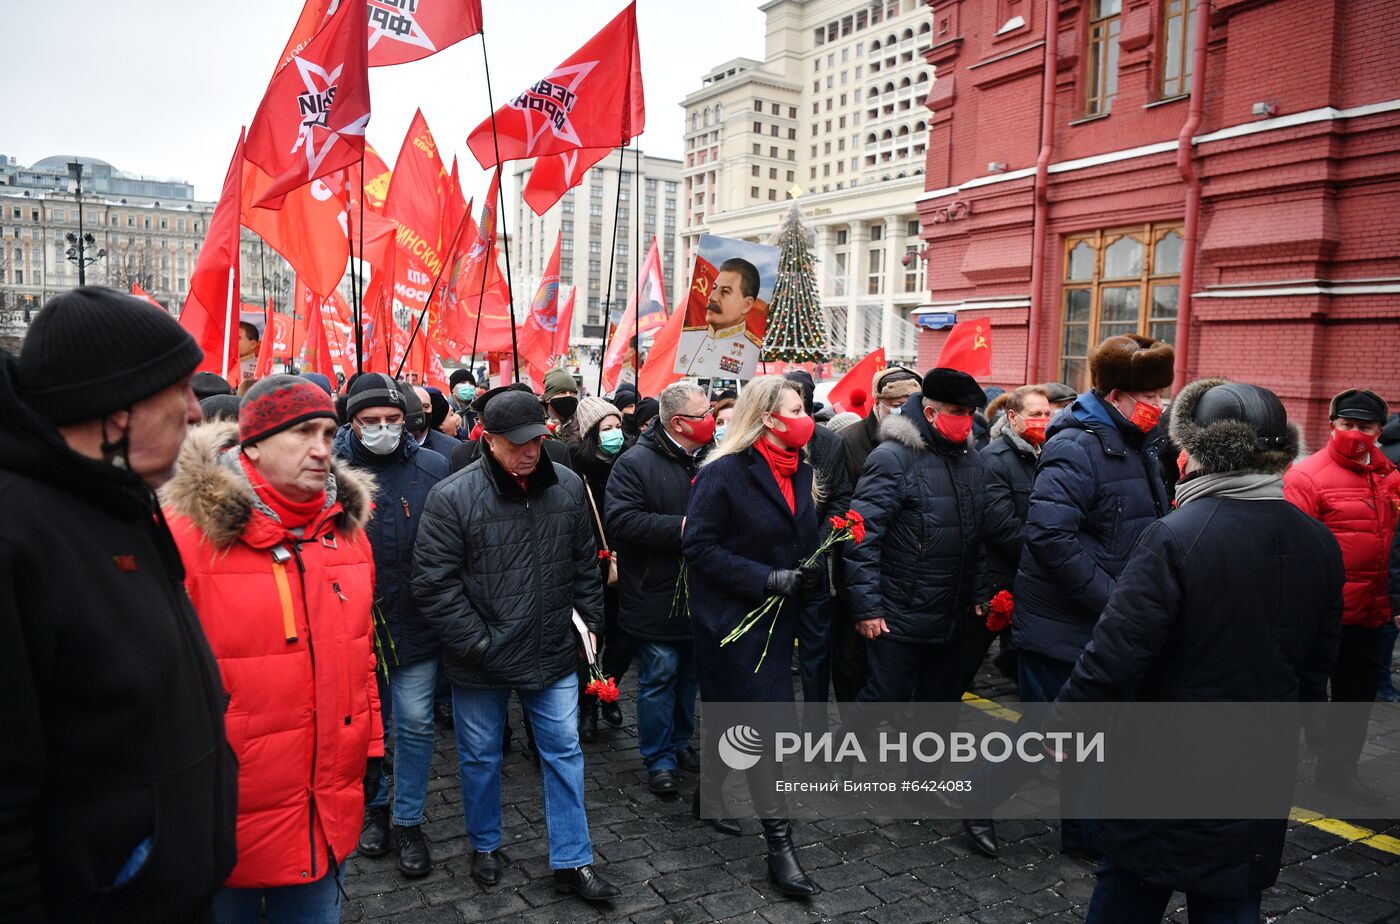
x: 516, y: 415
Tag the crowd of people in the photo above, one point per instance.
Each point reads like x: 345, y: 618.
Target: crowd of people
x: 223, y: 610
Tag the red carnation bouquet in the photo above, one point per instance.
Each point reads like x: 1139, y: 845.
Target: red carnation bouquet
x: 848, y: 528
x: 605, y: 688
x: 999, y: 611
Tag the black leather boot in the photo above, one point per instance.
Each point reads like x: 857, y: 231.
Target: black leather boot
x: 783, y: 867
x: 588, y: 719
x: 983, y: 834
x: 414, y: 858
x: 722, y: 825
x: 585, y: 883
x: 486, y: 867
x: 374, y: 836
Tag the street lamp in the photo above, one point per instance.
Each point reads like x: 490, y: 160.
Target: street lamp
x: 78, y: 243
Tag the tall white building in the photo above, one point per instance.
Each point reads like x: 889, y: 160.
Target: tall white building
x: 584, y: 223
x: 836, y: 112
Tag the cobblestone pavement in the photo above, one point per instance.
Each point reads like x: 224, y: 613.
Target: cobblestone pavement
x: 674, y: 870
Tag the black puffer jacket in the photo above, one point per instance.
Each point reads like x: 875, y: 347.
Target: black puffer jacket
x: 924, y: 507
x: 470, y: 450
x: 498, y: 572
x: 1225, y: 600
x: 859, y: 441
x: 646, y: 501
x: 1390, y: 439
x: 1009, y: 462
x: 402, y: 479
x: 110, y: 699
x: 1098, y: 486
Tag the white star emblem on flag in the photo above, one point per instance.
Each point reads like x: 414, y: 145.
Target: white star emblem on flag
x: 537, y: 123
x: 387, y: 18
x: 310, y: 73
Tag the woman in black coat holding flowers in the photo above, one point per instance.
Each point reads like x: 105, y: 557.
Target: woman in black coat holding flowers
x: 750, y: 525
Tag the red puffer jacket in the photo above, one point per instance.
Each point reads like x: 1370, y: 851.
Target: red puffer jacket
x: 294, y: 645
x: 1358, y: 502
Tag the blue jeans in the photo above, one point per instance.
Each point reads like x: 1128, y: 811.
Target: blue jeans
x: 1040, y: 680
x: 409, y: 707
x: 313, y: 903
x: 666, y: 689
x: 480, y: 716
x: 1122, y: 898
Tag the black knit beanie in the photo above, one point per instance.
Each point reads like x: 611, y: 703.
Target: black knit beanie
x: 92, y: 351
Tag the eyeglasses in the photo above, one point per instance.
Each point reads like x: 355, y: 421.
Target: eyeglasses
x: 695, y: 416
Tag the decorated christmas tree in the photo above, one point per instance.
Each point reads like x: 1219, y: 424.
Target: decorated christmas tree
x: 796, y: 328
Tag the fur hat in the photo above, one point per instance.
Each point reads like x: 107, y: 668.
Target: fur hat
x: 895, y: 382
x: 1131, y: 363
x: 591, y: 410
x: 1234, y: 427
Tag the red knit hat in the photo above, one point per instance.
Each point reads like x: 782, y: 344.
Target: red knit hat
x: 277, y: 403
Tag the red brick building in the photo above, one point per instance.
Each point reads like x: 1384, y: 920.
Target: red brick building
x: 1269, y: 190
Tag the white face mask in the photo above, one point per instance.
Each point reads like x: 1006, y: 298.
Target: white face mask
x: 381, y: 439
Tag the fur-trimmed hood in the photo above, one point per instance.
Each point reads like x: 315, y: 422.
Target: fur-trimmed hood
x: 218, y: 500
x: 1231, y: 442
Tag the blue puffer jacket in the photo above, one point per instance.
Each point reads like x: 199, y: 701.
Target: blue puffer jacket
x: 404, y: 479
x: 1097, y: 488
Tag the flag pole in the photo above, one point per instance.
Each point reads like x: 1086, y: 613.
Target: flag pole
x: 500, y: 220
x: 354, y: 288
x: 636, y: 253
x: 418, y: 325
x: 228, y: 316
x: 362, y: 233
x: 607, y: 297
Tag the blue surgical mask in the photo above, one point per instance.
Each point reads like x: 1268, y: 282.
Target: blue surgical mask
x: 897, y: 410
x: 611, y: 441
x: 465, y: 393
x: 719, y: 432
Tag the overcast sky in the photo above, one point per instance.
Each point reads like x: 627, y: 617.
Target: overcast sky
x: 160, y: 87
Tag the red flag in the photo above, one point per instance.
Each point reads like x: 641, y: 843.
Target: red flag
x: 476, y: 257
x: 561, y: 331
x: 277, y: 339
x: 552, y: 176
x: 659, y: 370
x: 592, y: 100
x: 852, y: 393
x: 968, y: 348
x: 619, y: 349
x: 208, y: 310
x: 651, y: 293
x: 374, y: 181
x: 399, y: 30
x: 537, y: 333
x: 142, y: 293
x: 311, y: 121
x: 308, y: 230
x: 414, y: 205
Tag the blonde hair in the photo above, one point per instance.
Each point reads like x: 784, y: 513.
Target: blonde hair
x: 759, y: 397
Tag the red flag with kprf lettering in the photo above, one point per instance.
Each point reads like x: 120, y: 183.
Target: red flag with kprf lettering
x: 311, y: 121
x: 399, y: 30
x: 968, y: 348
x: 591, y: 100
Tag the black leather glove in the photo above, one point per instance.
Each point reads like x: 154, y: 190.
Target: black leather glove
x: 374, y: 767
x: 814, y: 578
x: 784, y: 582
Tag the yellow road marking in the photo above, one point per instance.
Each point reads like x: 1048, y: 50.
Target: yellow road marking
x: 1334, y: 826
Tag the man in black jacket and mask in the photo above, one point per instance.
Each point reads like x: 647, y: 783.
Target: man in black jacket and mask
x: 1235, y: 576
x: 504, y: 558
x: 118, y: 789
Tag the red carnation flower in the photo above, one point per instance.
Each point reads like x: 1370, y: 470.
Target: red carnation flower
x: 838, y: 523
x: 857, y: 525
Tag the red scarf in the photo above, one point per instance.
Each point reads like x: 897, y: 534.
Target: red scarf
x: 782, y: 462
x: 293, y: 514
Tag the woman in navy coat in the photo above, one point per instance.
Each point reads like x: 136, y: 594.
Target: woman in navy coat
x: 750, y: 524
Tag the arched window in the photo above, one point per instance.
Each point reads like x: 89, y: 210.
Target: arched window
x: 922, y: 78
x: 906, y: 82
x: 695, y: 121
x: 889, y: 87
x: 925, y: 29
x: 706, y: 121
x: 920, y: 126
x: 871, y: 139
x: 903, y: 131
x: 872, y: 93
x: 908, y: 34
x: 875, y: 45
x: 886, y: 135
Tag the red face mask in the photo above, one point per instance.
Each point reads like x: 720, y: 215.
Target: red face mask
x: 1145, y: 416
x: 701, y: 431
x: 1354, y: 444
x: 799, y: 430
x: 1035, y: 431
x: 954, y: 429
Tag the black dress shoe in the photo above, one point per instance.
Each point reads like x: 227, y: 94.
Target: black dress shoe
x: 722, y: 825
x: 414, y: 858
x: 1349, y: 786
x: 983, y: 834
x: 784, y: 869
x: 611, y: 713
x: 442, y: 714
x: 374, y: 836
x: 486, y: 867
x: 588, y: 721
x: 585, y: 883
x: 664, y: 782
x: 688, y: 759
